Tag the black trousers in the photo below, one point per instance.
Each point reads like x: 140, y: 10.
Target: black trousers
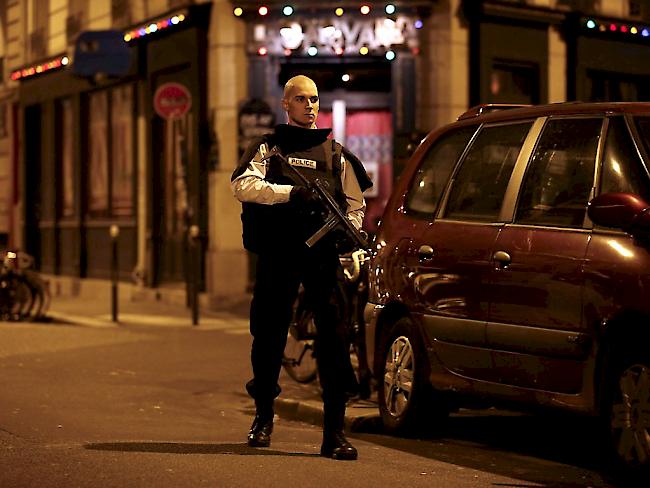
x: 278, y: 278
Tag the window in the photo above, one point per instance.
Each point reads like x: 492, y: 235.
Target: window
x: 622, y: 169
x: 122, y: 151
x: 98, y: 148
x: 67, y: 141
x: 643, y: 127
x: 480, y: 184
x: 433, y: 174
x: 560, y: 175
x: 605, y: 86
x: 513, y: 82
x: 110, y: 143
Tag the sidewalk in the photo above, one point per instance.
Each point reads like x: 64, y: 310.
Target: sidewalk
x: 89, y: 305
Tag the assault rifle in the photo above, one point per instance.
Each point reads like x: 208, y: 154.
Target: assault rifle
x: 335, y: 218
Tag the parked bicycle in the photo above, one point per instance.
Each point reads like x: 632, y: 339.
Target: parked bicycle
x: 300, y: 361
x: 24, y: 295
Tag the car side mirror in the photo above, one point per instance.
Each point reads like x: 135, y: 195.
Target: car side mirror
x: 625, y: 211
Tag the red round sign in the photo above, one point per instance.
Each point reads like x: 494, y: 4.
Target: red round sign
x: 172, y: 100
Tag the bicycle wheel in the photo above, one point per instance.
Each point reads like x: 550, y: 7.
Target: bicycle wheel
x: 299, y: 360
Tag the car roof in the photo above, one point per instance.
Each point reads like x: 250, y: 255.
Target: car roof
x: 497, y: 112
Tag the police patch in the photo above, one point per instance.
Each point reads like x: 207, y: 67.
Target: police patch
x: 304, y: 163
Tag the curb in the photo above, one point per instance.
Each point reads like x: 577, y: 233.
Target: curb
x: 80, y: 320
x: 360, y: 416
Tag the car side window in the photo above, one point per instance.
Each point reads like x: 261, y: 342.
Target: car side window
x: 560, y: 175
x: 437, y: 164
x: 622, y: 169
x: 481, y: 181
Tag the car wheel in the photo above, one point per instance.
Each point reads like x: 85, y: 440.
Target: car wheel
x: 407, y: 402
x: 628, y: 412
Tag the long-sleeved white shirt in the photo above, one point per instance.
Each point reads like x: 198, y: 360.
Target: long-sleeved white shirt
x: 251, y: 186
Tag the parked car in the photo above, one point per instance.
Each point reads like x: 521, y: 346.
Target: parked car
x: 512, y: 263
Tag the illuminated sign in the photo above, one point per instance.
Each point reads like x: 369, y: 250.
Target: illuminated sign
x: 334, y: 36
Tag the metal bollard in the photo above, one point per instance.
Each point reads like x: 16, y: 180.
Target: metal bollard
x: 193, y: 263
x: 114, y: 233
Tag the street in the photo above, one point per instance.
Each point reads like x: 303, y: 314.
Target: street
x: 165, y: 406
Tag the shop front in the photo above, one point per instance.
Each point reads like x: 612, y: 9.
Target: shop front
x: 363, y: 61
x: 118, y: 160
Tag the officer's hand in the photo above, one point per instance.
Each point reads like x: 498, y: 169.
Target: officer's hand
x: 303, y: 195
x: 344, y: 244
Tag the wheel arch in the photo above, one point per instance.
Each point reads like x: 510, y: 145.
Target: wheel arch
x: 628, y: 328
x: 391, y: 313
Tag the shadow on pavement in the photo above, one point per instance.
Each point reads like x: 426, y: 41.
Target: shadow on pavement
x: 514, y: 445
x: 191, y: 448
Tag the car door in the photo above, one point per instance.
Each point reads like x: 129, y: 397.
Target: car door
x: 450, y: 260
x: 535, y: 329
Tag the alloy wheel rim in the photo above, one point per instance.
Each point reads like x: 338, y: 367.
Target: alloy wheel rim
x: 630, y: 419
x: 398, y: 376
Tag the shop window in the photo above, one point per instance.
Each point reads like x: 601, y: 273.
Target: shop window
x: 122, y: 151
x: 513, y: 82
x: 110, y: 145
x: 67, y: 142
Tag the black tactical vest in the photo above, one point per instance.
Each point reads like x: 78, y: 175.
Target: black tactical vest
x: 284, y: 227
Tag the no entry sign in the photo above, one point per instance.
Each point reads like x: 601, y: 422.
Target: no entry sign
x: 172, y: 100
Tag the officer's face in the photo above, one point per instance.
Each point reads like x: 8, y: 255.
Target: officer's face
x: 301, y: 104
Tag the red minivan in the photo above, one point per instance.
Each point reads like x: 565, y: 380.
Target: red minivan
x: 512, y: 263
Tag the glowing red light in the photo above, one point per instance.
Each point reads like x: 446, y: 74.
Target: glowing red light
x: 415, y: 51
x: 624, y: 28
x: 612, y: 27
x: 287, y: 52
x: 338, y: 51
x: 262, y: 51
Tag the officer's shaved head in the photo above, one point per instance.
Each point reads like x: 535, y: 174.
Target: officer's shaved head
x: 298, y: 82
x: 300, y: 101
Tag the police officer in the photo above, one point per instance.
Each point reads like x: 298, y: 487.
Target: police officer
x: 278, y: 215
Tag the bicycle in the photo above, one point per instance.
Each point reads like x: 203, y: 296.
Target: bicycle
x: 299, y: 360
x: 23, y: 293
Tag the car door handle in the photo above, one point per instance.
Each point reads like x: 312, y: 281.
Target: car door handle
x: 502, y: 259
x: 425, y: 253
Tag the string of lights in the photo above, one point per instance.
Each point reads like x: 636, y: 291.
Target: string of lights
x: 631, y: 29
x: 63, y: 60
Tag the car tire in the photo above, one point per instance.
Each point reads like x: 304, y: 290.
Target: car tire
x: 626, y: 411
x: 407, y: 403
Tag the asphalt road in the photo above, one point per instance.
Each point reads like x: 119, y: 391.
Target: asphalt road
x: 165, y: 406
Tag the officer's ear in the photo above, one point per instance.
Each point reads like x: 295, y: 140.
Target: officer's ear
x: 285, y: 104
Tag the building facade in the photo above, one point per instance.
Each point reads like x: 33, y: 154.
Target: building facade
x: 149, y: 150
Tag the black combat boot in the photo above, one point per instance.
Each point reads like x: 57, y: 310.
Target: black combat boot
x: 260, y: 433
x: 335, y: 445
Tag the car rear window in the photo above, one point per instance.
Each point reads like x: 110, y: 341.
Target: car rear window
x: 437, y: 164
x: 480, y: 183
x: 560, y: 175
x: 622, y: 169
